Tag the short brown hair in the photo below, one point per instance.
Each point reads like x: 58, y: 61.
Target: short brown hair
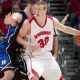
x: 42, y: 2
x: 32, y: 2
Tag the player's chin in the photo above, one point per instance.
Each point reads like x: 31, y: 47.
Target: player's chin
x: 33, y: 13
x: 37, y: 15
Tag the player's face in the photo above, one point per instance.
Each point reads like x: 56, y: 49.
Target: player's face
x: 15, y: 8
x: 41, y: 11
x: 33, y: 9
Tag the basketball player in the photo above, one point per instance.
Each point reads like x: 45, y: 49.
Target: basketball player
x: 38, y: 30
x: 12, y: 44
x: 8, y: 52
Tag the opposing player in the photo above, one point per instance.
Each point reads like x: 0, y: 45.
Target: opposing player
x: 38, y: 30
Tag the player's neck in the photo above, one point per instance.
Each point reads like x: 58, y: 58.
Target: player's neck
x: 41, y: 20
x: 26, y: 10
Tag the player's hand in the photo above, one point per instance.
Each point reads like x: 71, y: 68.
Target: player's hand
x: 34, y: 48
x: 65, y: 19
x: 8, y: 18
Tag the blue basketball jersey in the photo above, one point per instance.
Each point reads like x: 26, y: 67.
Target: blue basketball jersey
x: 9, y: 42
x: 4, y: 57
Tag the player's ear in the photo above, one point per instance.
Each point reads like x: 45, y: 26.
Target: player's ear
x: 29, y: 5
x: 46, y: 10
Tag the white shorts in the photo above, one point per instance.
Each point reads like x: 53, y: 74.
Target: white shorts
x: 43, y: 65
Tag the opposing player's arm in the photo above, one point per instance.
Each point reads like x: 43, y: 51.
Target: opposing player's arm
x: 12, y: 17
x: 23, y: 31
x: 63, y: 28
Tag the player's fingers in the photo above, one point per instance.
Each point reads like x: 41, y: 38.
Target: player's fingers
x: 9, y: 14
x: 67, y: 15
x: 65, y: 18
x: 37, y: 48
x: 12, y: 12
x: 6, y: 16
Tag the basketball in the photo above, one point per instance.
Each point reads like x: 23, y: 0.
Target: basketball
x: 77, y: 38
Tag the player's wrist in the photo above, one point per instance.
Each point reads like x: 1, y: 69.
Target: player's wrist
x: 28, y: 44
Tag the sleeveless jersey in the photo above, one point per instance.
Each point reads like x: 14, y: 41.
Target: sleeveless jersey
x: 42, y: 35
x: 9, y: 42
x: 13, y: 45
x: 5, y: 43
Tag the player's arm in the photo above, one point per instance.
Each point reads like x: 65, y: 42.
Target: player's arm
x: 12, y: 17
x: 22, y: 33
x: 55, y: 44
x: 55, y: 41
x: 63, y: 28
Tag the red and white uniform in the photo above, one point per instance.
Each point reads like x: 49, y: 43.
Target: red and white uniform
x: 42, y: 63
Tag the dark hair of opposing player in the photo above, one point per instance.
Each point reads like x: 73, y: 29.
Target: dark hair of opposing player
x: 32, y: 2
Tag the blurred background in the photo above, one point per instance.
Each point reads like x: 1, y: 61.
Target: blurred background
x: 69, y: 51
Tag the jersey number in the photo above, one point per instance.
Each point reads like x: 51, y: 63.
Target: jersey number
x: 43, y: 42
x: 3, y: 62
